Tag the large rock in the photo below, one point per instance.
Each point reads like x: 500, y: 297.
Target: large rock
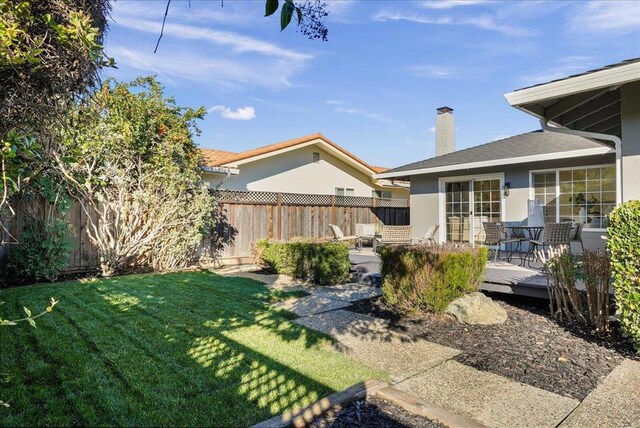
x: 476, y: 308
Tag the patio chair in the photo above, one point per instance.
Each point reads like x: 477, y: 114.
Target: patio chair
x: 365, y: 232
x: 338, y: 235
x: 430, y: 236
x: 496, y: 234
x: 577, y: 237
x: 554, y: 235
x: 393, y: 235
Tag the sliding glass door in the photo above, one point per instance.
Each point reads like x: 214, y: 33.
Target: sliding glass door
x: 457, y: 211
x: 467, y: 204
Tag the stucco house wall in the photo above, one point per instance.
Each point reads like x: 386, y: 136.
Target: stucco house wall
x: 425, y: 200
x: 630, y: 115
x: 296, y: 172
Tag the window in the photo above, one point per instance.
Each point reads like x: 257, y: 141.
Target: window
x: 343, y: 191
x: 381, y: 194
x: 316, y: 157
x: 581, y: 195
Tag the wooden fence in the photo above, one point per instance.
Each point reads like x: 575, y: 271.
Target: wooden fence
x: 257, y: 215
x: 249, y: 216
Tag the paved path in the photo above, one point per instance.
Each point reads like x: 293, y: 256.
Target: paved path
x: 428, y: 371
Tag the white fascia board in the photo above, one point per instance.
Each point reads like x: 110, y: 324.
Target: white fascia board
x: 223, y: 170
x: 391, y: 184
x: 497, y: 162
x: 600, y: 79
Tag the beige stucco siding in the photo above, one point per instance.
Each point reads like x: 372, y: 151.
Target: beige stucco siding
x: 630, y: 112
x: 425, y: 202
x: 295, y: 172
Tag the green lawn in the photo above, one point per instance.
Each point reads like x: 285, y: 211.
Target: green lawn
x: 175, y: 349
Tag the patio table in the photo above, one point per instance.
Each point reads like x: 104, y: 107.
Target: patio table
x: 528, y: 233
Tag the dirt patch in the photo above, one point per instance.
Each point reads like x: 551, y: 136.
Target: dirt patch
x: 372, y: 412
x: 529, y: 347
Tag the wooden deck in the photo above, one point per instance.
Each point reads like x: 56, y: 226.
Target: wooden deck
x: 510, y: 278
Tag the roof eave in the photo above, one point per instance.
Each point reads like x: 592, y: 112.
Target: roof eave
x: 498, y: 162
x: 526, y: 99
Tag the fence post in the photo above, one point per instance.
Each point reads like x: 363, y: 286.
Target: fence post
x: 278, y: 216
x: 333, y: 210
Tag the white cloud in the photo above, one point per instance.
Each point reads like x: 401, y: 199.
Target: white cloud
x: 432, y: 129
x: 431, y: 71
x: 484, y: 22
x: 334, y: 102
x: 365, y: 113
x: 237, y: 42
x: 206, y: 69
x: 448, y: 4
x: 241, y: 113
x: 606, y: 17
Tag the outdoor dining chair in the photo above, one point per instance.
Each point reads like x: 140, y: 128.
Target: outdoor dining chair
x: 496, y: 234
x: 554, y: 235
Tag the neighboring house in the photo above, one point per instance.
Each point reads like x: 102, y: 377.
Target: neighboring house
x: 578, y: 168
x: 312, y: 164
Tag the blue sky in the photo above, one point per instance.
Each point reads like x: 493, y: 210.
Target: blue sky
x: 374, y: 87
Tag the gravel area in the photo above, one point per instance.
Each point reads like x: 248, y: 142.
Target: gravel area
x: 373, y: 412
x: 529, y: 347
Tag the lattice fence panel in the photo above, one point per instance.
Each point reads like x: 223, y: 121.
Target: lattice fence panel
x: 237, y: 196
x: 392, y: 203
x: 305, y: 199
x: 353, y: 201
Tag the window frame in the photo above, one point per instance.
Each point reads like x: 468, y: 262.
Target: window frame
x: 375, y: 193
x: 345, y: 190
x: 532, y: 190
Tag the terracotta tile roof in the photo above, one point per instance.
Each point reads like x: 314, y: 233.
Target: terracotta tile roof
x: 212, y: 157
x: 220, y: 158
x: 379, y: 169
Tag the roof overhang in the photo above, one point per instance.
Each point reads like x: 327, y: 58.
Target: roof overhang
x: 588, y: 102
x: 604, y: 150
x: 223, y: 170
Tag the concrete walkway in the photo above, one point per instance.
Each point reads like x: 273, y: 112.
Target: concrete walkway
x: 428, y: 371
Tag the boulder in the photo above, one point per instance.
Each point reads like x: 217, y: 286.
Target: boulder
x: 476, y: 308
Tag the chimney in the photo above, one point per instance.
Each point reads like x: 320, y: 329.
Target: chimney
x: 445, y: 131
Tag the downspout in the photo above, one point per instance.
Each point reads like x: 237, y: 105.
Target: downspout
x: 226, y: 177
x: 615, y: 140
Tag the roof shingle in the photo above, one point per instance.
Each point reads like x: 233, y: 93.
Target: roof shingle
x: 529, y: 144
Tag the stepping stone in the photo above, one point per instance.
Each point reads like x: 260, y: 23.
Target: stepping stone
x: 369, y: 340
x: 310, y: 305
x: 614, y: 403
x: 347, y: 293
x: 488, y: 398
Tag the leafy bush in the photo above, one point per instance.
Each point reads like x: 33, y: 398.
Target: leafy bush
x: 624, y: 246
x: 428, y: 277
x: 129, y: 159
x: 323, y: 262
x: 42, y: 252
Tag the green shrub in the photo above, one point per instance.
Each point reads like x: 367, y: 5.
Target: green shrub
x: 428, y: 277
x: 322, y: 262
x: 624, y: 246
x: 43, y: 251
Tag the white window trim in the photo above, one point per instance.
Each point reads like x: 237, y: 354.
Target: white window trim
x: 442, y: 181
x: 557, y: 171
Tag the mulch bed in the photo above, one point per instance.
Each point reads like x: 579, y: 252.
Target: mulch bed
x: 530, y: 347
x: 373, y: 412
